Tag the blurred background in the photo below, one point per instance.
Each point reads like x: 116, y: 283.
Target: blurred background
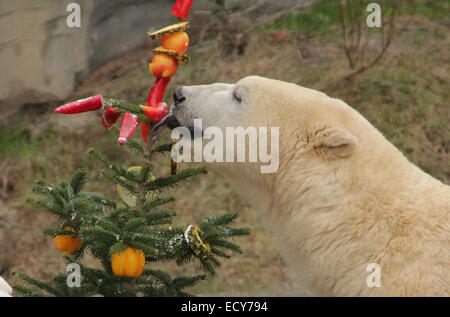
x: 397, y: 76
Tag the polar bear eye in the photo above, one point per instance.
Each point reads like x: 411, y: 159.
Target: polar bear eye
x: 237, y: 96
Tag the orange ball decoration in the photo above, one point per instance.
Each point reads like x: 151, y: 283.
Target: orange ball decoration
x: 68, y: 244
x: 163, y: 65
x: 178, y: 42
x: 129, y: 263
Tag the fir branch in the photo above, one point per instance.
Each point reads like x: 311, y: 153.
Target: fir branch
x: 44, y: 286
x: 122, y: 105
x: 117, y: 248
x: 65, y: 190
x: 225, y: 244
x: 220, y: 253
x: 161, y: 276
x: 108, y: 225
x: 163, y: 148
x: 208, y: 267
x: 121, y: 181
x: 239, y: 231
x: 131, y: 224
x: 184, y: 294
x: 173, y: 179
x: 159, y: 215
x: 214, y: 261
x: 158, y: 202
x: 182, y: 282
x: 93, y: 153
x: 145, y: 172
x: 48, y: 204
x: 217, y: 221
x: 150, y: 239
x: 135, y: 145
x: 130, y: 142
x: 99, y: 234
x: 82, y: 204
x: 100, y: 157
x: 28, y: 292
x: 98, y: 199
x: 51, y: 232
x: 148, y: 250
x: 78, y: 180
x: 43, y: 187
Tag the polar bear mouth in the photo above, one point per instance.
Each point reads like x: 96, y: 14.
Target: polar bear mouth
x: 169, y: 121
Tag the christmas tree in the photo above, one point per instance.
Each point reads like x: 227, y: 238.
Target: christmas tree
x: 126, y: 236
x: 123, y: 237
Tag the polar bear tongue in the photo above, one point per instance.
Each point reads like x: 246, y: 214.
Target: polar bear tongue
x: 169, y: 121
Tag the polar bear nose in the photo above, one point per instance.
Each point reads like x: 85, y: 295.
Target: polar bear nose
x: 178, y: 95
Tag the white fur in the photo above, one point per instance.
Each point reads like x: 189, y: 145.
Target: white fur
x: 5, y: 289
x: 343, y: 196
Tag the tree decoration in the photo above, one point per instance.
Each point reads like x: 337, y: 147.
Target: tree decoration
x: 156, y: 94
x: 129, y: 124
x: 67, y: 243
x: 129, y: 262
x: 181, y: 9
x: 164, y: 66
x: 127, y: 234
x: 178, y: 42
x: 194, y: 237
x: 110, y: 117
x: 156, y: 114
x: 83, y: 105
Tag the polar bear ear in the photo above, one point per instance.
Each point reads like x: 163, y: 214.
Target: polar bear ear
x: 334, y: 143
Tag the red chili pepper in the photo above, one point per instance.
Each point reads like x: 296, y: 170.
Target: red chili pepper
x: 155, y: 114
x: 144, y: 130
x: 181, y: 8
x: 83, y: 105
x: 110, y: 116
x: 156, y: 94
x: 129, y: 125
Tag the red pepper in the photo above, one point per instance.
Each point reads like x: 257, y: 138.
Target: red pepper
x: 83, y: 105
x: 156, y: 94
x: 129, y: 125
x: 181, y: 8
x: 144, y: 130
x: 155, y: 114
x: 110, y: 116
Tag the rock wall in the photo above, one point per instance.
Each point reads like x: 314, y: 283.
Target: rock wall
x: 42, y: 59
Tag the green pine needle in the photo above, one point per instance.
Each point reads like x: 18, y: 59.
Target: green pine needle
x: 44, y: 286
x: 78, y: 180
x: 173, y: 179
x: 159, y: 202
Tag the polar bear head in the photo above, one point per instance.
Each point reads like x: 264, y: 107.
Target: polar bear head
x: 304, y: 116
x: 319, y: 137
x: 322, y: 140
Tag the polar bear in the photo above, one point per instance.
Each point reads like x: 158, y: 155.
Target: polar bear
x: 352, y: 216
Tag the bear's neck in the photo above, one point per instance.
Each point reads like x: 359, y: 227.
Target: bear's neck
x: 325, y: 216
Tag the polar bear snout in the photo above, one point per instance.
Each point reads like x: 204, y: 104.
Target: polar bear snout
x: 216, y: 105
x: 178, y: 96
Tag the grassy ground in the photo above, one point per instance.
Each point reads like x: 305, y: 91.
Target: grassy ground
x: 406, y: 96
